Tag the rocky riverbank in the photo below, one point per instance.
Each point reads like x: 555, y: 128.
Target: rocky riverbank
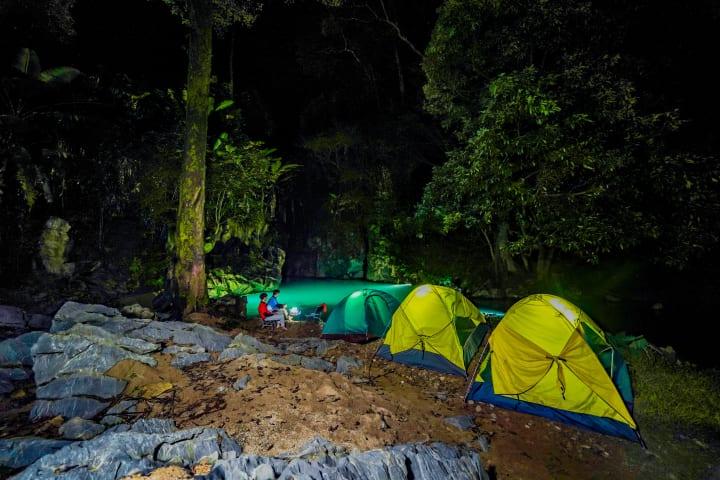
x: 105, y: 393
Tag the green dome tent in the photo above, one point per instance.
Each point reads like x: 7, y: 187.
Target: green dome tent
x: 361, y: 316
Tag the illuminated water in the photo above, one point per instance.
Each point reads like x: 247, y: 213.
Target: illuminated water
x: 307, y: 294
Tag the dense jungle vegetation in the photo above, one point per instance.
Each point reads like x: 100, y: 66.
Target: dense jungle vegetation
x: 496, y: 146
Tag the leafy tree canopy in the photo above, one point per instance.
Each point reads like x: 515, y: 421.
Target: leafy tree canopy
x: 554, y: 146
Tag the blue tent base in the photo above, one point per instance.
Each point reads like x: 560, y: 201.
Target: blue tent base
x: 422, y: 359
x: 483, y: 392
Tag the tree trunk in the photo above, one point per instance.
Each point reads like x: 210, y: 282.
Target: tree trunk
x: 231, y: 64
x: 190, y: 266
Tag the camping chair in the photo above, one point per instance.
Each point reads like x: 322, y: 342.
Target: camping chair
x: 268, y: 323
x: 317, y: 315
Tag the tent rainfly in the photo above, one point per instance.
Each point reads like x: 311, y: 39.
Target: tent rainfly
x: 435, y: 328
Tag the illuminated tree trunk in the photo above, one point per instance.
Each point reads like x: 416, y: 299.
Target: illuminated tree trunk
x: 190, y: 266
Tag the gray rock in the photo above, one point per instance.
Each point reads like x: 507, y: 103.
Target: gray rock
x: 124, y: 406
x: 138, y: 311
x: 463, y: 422
x: 298, y: 348
x: 232, y: 353
x: 72, y: 312
x: 484, y: 443
x: 95, y: 386
x: 186, y: 337
x: 80, y: 429
x: 12, y: 321
x: 292, y: 359
x: 153, y: 332
x: 67, y: 408
x: 253, y: 345
x: 116, y: 454
x: 13, y: 374
x: 345, y: 365
x: 21, y: 452
x: 263, y: 472
x: 317, y: 364
x: 154, y: 425
x: 175, y: 349
x: 137, y: 345
x: 112, y: 420
x: 68, y: 353
x: 324, y: 461
x: 323, y: 347
x: 16, y: 351
x: 37, y: 321
x: 242, y: 382
x: 183, y: 360
x: 81, y: 312
x: 211, y: 340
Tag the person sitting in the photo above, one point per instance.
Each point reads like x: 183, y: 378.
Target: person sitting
x: 269, y: 316
x: 274, y: 305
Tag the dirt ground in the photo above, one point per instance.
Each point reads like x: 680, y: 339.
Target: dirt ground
x: 381, y: 404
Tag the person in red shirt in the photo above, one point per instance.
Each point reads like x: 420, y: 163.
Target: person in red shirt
x: 266, y: 315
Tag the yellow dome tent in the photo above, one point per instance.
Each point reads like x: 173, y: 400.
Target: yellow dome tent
x: 435, y: 328
x: 548, y: 358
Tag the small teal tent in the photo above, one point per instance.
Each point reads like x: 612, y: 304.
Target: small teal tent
x: 361, y: 316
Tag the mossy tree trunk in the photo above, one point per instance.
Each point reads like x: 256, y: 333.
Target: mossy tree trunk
x: 190, y: 266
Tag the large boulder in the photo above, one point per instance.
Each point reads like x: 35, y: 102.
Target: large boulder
x: 139, y: 449
x: 182, y: 333
x: 70, y: 362
x: 80, y: 351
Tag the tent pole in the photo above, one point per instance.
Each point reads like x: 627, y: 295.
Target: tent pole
x: 485, y: 342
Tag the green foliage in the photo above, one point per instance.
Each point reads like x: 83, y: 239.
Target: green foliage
x: 554, y: 145
x: 222, y: 282
x: 242, y: 187
x: 675, y: 394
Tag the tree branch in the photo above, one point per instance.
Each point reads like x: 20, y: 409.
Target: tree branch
x: 386, y: 19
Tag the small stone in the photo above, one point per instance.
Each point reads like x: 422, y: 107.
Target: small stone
x: 346, y: 364
x: 463, y: 422
x: 484, y: 443
x: 313, y: 363
x: 242, y: 382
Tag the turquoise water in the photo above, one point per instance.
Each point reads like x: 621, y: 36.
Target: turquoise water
x: 307, y: 294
